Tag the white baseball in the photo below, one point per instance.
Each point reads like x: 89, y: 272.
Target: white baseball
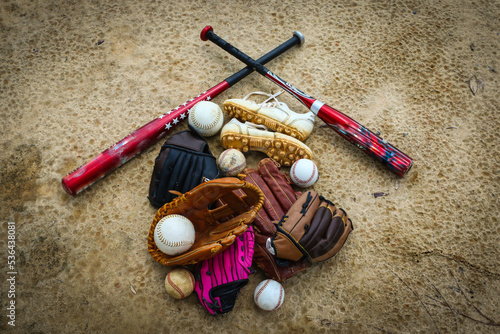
x: 231, y: 162
x: 174, y: 234
x: 269, y: 295
x: 304, y: 173
x: 206, y: 118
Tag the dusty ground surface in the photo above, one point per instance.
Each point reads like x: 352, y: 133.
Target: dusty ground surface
x: 424, y: 258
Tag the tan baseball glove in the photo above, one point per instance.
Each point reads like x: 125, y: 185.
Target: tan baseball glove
x: 215, y: 229
x: 313, y: 229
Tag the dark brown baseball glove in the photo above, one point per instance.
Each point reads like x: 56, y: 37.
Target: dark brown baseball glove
x: 279, y: 197
x: 215, y: 229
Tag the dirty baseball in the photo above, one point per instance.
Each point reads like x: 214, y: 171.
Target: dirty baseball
x: 179, y: 283
x: 231, y: 162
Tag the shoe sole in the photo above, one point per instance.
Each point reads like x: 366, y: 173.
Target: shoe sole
x: 284, y: 151
x: 243, y: 114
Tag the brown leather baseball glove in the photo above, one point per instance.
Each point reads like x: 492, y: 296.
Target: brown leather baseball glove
x: 313, y: 229
x: 215, y: 229
x: 279, y: 197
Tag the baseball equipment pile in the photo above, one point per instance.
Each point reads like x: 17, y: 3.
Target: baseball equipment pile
x: 254, y: 218
x: 292, y: 231
x: 289, y: 231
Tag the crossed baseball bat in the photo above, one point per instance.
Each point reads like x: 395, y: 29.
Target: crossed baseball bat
x: 124, y: 150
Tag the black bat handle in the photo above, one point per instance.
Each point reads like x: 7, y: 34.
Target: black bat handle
x: 209, y: 34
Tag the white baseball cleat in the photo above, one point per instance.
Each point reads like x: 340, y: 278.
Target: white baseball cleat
x: 252, y: 137
x: 274, y: 115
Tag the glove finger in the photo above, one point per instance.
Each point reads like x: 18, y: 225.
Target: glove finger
x: 271, y: 209
x: 335, y: 238
x: 271, y: 204
x: 217, y: 269
x: 178, y: 164
x: 326, y: 242
x: 320, y: 223
x: 264, y: 223
x: 246, y: 249
x: 204, y: 285
x: 279, y: 185
x: 295, y: 226
x: 181, y: 168
x: 230, y: 261
x: 223, y: 229
x: 162, y: 182
x: 338, y: 223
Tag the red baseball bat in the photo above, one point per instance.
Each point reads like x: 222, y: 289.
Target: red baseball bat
x: 142, y: 138
x: 397, y: 161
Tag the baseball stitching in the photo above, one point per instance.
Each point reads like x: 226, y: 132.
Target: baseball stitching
x: 262, y: 289
x: 223, y: 155
x: 170, y: 243
x: 176, y: 288
x: 280, y: 298
x: 303, y: 181
x: 230, y: 170
x: 221, y: 159
x: 207, y: 126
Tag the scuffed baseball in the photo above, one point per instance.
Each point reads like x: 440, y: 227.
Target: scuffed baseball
x: 206, y: 118
x: 304, y: 173
x: 179, y: 283
x: 231, y: 162
x: 269, y: 295
x: 174, y: 234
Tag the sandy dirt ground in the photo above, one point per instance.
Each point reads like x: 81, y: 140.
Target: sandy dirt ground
x: 78, y: 76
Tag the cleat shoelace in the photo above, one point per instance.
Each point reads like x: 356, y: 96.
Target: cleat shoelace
x: 274, y: 104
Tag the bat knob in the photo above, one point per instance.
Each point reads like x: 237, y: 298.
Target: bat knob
x: 204, y: 32
x: 300, y: 36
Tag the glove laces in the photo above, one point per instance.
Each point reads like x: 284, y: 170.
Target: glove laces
x: 181, y: 198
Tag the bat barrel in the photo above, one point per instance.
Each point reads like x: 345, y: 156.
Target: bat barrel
x: 394, y: 159
x: 131, y: 145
